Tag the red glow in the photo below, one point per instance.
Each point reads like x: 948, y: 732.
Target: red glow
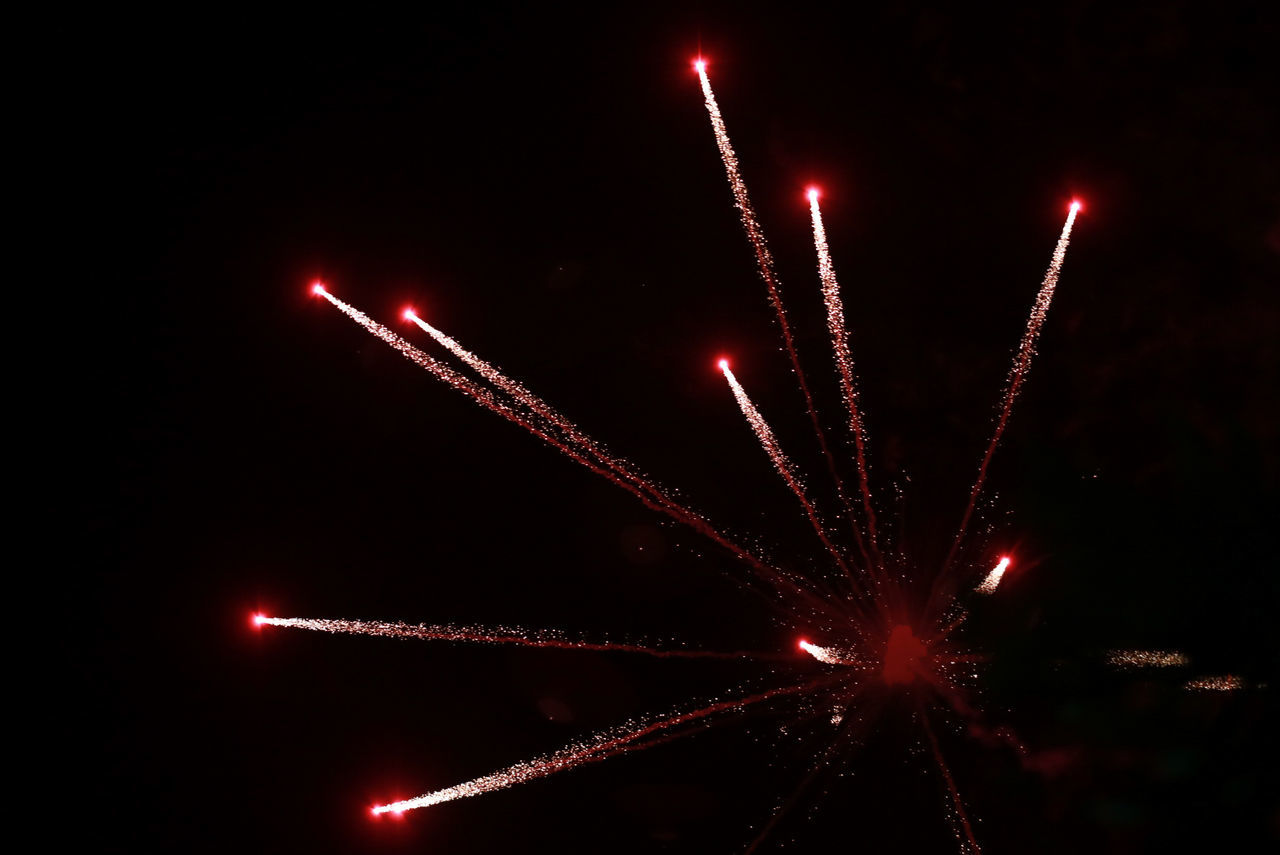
x: 802, y: 643
x: 410, y: 314
x: 902, y: 655
x: 317, y: 288
x: 1076, y: 206
x: 699, y: 65
x: 723, y: 365
x: 259, y: 619
x: 812, y: 193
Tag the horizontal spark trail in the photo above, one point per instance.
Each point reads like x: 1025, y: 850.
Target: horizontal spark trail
x: 498, y: 635
x: 844, y: 361
x: 992, y: 581
x: 1225, y: 683
x: 597, y: 747
x: 1147, y: 658
x: 780, y: 586
x: 780, y: 460
x: 1017, y: 374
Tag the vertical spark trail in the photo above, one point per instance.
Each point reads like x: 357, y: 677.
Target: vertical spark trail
x: 780, y: 461
x: 597, y: 747
x: 764, y: 259
x: 956, y: 803
x: 497, y: 635
x: 844, y: 361
x: 1018, y: 373
x: 778, y: 585
x: 992, y: 581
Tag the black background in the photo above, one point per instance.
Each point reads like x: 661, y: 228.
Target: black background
x: 543, y: 185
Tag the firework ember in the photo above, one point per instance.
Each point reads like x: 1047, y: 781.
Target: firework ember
x: 1147, y: 658
x: 992, y: 581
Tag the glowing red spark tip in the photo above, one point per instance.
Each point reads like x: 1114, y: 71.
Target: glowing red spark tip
x: 812, y: 194
x: 723, y: 365
x: 410, y: 314
x: 1076, y: 206
x: 259, y: 619
x: 699, y: 65
x: 317, y: 288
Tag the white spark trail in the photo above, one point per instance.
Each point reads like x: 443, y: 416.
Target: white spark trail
x: 498, y: 635
x: 843, y: 358
x: 992, y: 581
x: 1147, y: 658
x: 596, y: 747
x: 780, y: 461
x: 1018, y: 373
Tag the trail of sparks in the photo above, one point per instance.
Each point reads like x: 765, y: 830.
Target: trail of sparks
x: 956, y: 803
x: 992, y: 581
x: 498, y: 635
x: 597, y: 747
x: 844, y: 362
x: 1147, y: 658
x: 1224, y: 683
x: 833, y: 655
x: 764, y: 259
x: 1018, y: 373
x: 780, y: 461
x: 778, y: 583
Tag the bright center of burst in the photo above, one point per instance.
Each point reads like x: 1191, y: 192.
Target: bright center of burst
x: 902, y: 655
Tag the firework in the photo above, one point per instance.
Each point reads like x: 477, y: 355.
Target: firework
x: 1147, y: 658
x: 868, y: 638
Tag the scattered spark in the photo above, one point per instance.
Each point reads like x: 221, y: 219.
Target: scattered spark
x: 831, y: 655
x: 992, y: 581
x: 1147, y: 658
x: 1223, y: 683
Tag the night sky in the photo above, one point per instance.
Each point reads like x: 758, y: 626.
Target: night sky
x: 545, y: 187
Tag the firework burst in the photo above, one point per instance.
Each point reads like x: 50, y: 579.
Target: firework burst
x: 870, y: 634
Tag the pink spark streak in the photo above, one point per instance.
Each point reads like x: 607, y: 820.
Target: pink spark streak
x: 597, y: 747
x: 1017, y: 374
x: 496, y: 635
x: 780, y: 460
x: 843, y: 358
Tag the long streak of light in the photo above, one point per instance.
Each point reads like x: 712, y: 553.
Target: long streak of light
x: 595, y: 747
x: 992, y: 581
x: 764, y: 259
x: 776, y: 581
x: 1018, y: 373
x: 496, y: 635
x: 780, y: 460
x: 957, y: 805
x: 1147, y: 658
x: 844, y: 360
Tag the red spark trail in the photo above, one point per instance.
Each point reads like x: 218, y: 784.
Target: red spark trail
x: 780, y: 461
x: 844, y: 363
x: 780, y: 584
x: 1017, y: 375
x: 500, y: 635
x: 961, y: 815
x: 597, y: 747
x: 764, y: 259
